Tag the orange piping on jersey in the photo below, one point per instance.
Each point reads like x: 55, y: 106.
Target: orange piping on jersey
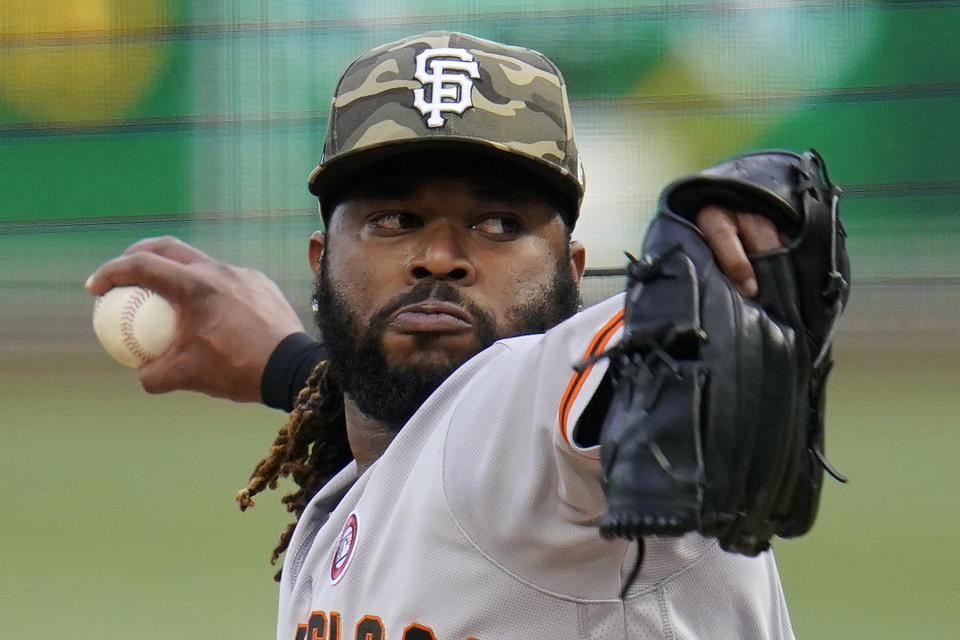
x: 597, y: 344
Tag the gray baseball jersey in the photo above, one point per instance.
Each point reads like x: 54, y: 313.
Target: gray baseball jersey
x: 478, y: 522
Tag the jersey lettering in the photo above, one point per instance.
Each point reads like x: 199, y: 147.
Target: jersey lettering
x: 317, y: 626
x: 418, y: 632
x: 369, y: 628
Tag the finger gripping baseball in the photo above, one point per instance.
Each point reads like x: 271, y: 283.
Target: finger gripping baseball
x: 717, y: 416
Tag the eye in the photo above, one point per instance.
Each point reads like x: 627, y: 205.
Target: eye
x: 499, y: 225
x: 395, y: 221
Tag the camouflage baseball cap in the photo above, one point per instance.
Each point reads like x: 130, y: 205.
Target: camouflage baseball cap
x: 444, y: 90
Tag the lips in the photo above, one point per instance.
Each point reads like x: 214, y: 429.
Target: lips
x: 430, y: 316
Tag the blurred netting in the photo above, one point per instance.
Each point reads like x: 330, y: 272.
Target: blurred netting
x: 126, y: 118
x: 202, y: 119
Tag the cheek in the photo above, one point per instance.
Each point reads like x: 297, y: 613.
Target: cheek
x: 355, y: 277
x: 525, y: 277
x: 539, y: 263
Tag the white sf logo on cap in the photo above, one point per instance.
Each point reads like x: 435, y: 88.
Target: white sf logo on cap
x: 450, y: 91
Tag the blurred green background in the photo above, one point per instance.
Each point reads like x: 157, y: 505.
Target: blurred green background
x: 122, y: 119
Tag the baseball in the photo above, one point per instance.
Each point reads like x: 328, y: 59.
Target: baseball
x: 134, y: 325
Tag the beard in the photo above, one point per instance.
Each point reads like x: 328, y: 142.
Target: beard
x: 391, y: 394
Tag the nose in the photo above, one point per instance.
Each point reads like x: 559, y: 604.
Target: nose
x: 441, y: 254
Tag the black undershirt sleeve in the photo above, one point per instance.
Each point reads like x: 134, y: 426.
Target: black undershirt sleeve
x: 288, y: 368
x: 587, y: 431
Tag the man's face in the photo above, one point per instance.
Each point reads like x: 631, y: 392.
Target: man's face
x: 414, y: 280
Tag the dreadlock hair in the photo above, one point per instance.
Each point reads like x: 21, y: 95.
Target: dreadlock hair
x: 310, y: 447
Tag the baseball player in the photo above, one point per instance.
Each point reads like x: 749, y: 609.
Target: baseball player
x: 446, y: 448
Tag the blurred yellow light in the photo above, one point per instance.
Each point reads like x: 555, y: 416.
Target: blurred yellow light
x: 83, y: 60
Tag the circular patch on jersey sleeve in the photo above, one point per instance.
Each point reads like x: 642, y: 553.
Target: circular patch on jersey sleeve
x: 344, y: 550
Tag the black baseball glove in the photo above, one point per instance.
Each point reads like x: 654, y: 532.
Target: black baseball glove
x: 717, y: 415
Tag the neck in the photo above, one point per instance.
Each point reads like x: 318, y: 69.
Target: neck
x: 368, y: 437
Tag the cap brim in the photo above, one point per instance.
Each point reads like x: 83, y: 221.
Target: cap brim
x: 328, y: 176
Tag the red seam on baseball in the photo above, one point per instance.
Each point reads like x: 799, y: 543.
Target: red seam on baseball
x: 127, y: 316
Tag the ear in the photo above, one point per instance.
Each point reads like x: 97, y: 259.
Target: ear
x: 317, y: 240
x: 578, y: 259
